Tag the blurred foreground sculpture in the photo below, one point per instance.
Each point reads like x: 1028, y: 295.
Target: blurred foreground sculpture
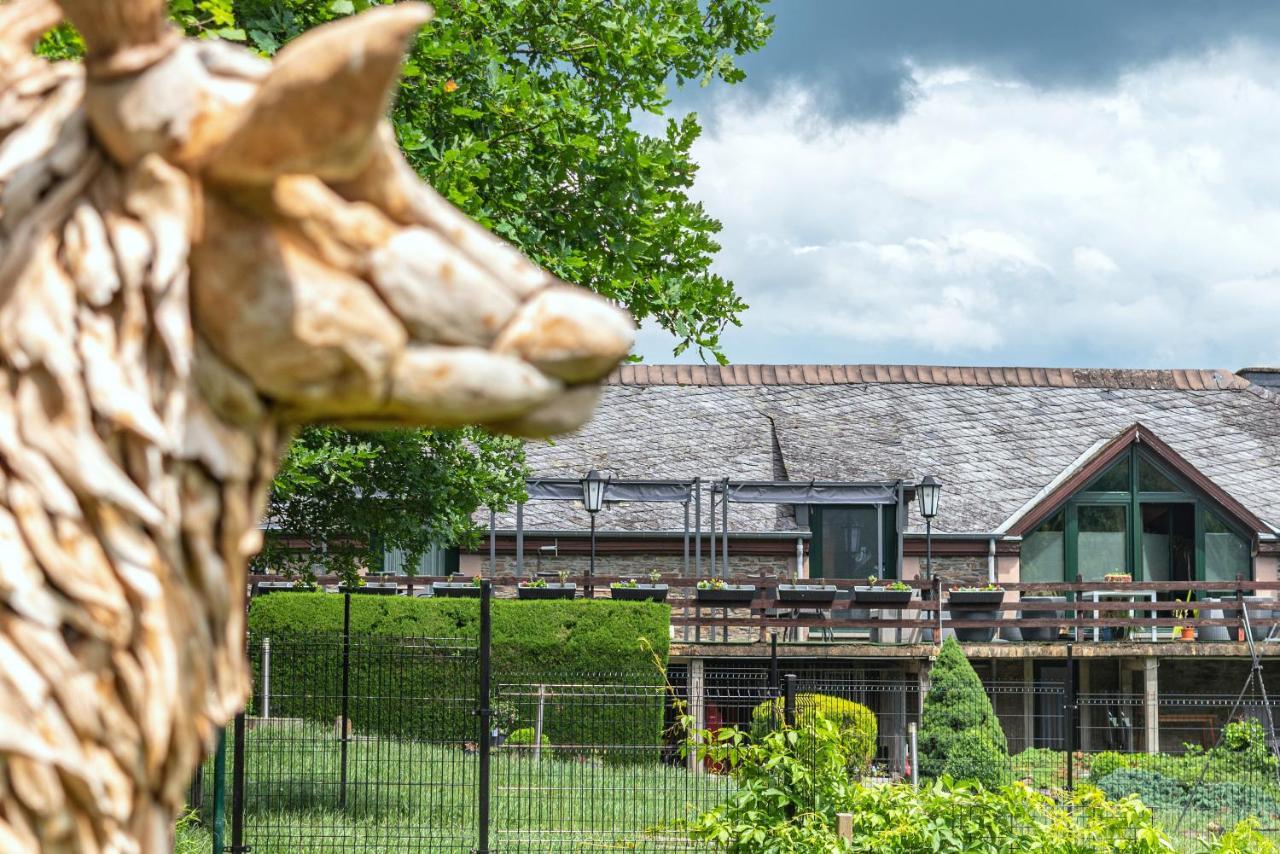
x: 199, y: 250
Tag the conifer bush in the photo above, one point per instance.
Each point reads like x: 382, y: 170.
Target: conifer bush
x: 960, y: 735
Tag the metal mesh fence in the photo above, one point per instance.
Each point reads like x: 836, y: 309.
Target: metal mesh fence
x: 354, y: 743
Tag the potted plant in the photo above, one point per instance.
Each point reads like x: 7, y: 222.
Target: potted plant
x: 502, y: 722
x: 632, y: 591
x: 538, y: 588
x: 716, y: 591
x: 457, y: 589
x: 1041, y: 597
x: 1184, y: 633
x: 812, y: 595
x: 976, y: 603
x: 895, y: 594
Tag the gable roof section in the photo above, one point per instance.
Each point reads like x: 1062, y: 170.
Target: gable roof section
x: 1079, y: 476
x: 998, y: 438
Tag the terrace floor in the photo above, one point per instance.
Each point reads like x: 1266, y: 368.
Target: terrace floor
x: 854, y: 649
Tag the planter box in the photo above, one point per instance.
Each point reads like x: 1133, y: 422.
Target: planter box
x: 1260, y: 608
x: 975, y: 605
x: 551, y: 591
x: 1042, y: 634
x: 808, y: 594
x: 642, y: 593
x: 262, y: 588
x: 882, y: 597
x: 379, y: 589
x: 1217, y: 633
x: 961, y: 598
x: 740, y: 595
x: 455, y: 590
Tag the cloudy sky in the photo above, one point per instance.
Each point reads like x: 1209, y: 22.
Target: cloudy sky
x: 1035, y: 183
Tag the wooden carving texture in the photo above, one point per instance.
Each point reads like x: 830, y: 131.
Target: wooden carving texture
x: 198, y: 251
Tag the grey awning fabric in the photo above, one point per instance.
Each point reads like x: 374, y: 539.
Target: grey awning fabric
x: 633, y: 490
x: 810, y: 493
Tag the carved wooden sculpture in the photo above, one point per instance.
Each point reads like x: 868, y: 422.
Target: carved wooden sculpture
x: 199, y: 250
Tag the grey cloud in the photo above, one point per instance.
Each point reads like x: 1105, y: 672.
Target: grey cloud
x: 855, y: 55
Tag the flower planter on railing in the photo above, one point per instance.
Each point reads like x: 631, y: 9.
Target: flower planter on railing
x: 881, y: 597
x: 639, y: 592
x: 811, y: 595
x: 975, y: 605
x: 1041, y: 633
x: 456, y: 589
x: 727, y: 595
x: 546, y: 591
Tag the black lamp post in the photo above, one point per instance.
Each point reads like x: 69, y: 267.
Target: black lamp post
x: 927, y: 493
x: 592, y: 500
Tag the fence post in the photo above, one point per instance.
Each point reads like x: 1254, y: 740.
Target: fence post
x: 789, y: 699
x: 1069, y: 712
x: 537, y: 728
x: 915, y: 756
x: 485, y: 714
x: 344, y: 720
x: 237, y: 788
x: 266, y: 677
x: 220, y: 793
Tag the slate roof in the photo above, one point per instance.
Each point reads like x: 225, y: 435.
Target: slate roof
x: 995, y: 436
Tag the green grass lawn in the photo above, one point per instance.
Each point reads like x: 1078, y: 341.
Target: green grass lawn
x: 403, y: 796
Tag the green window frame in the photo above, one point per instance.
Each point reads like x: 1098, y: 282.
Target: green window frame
x: 1220, y: 545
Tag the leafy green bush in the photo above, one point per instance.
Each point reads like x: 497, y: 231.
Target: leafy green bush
x: 1040, y: 767
x: 855, y: 722
x: 1103, y: 764
x: 524, y: 737
x: 1247, y: 742
x: 1154, y: 789
x: 401, y: 684
x: 957, y: 712
x: 1233, y: 799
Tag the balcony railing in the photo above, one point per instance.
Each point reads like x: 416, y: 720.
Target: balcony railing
x: 1132, y: 611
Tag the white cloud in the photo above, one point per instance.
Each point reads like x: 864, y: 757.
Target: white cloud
x: 998, y: 223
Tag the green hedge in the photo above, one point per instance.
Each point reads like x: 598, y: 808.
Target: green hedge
x: 404, y: 685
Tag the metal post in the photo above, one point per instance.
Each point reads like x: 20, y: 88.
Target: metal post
x: 537, y: 722
x: 773, y: 661
x: 724, y: 529
x: 237, y: 787
x: 1069, y: 712
x: 266, y: 677
x: 686, y: 538
x: 697, y: 711
x: 928, y: 548
x: 589, y: 592
x: 697, y: 526
x: 715, y: 570
x: 344, y: 722
x: 915, y: 756
x: 789, y: 699
x: 1151, y: 703
x: 937, y: 596
x: 493, y: 543
x: 485, y: 714
x: 520, y: 540
x: 220, y: 793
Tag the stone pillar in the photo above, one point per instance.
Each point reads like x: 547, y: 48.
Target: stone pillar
x: 1151, y: 703
x: 697, y: 707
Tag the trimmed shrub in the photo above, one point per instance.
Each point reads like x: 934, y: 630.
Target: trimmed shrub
x: 958, y: 714
x: 414, y: 669
x: 524, y: 737
x: 855, y: 722
x: 970, y: 758
x: 1233, y: 800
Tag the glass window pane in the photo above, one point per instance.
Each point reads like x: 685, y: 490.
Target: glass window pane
x: 1226, y: 554
x: 1043, y: 557
x: 1151, y: 479
x: 1101, y: 546
x: 1114, y: 479
x: 1156, y: 541
x: 849, y: 542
